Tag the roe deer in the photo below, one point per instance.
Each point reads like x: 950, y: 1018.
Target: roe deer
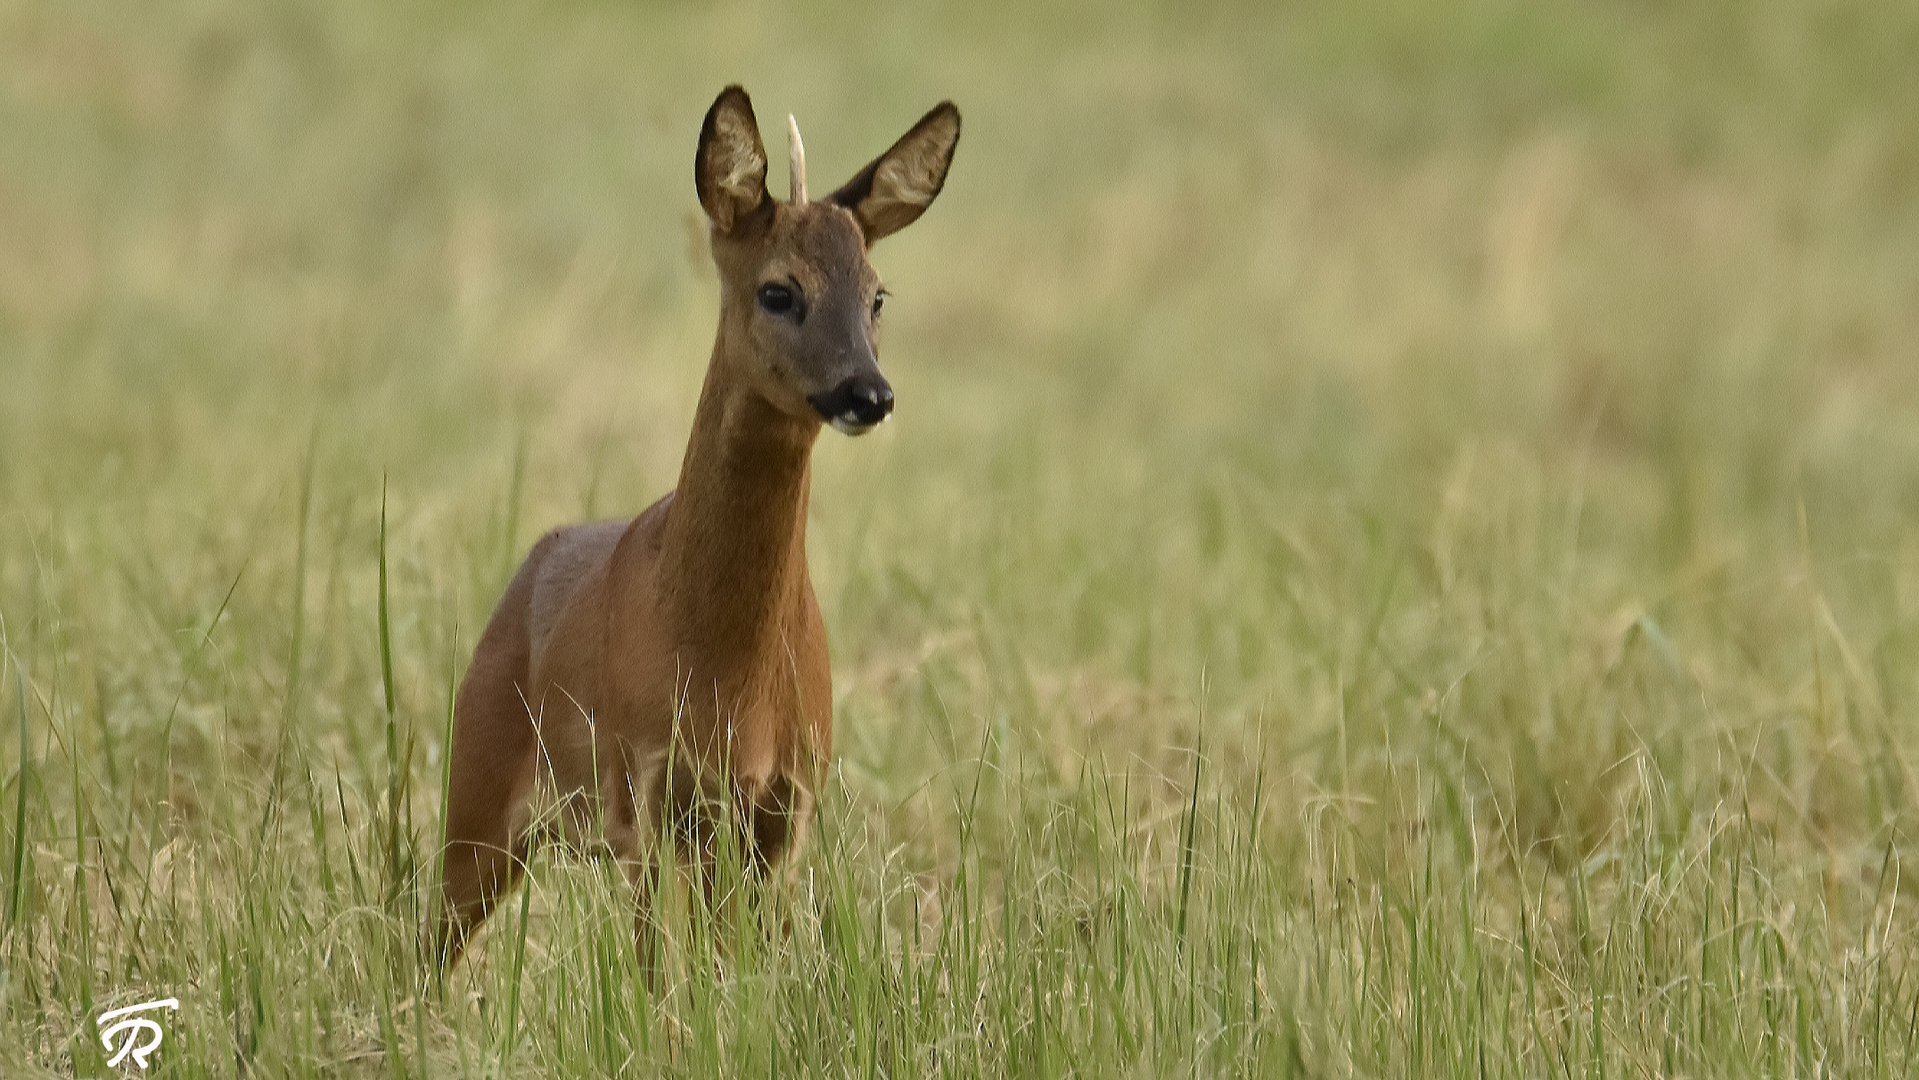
x: 682, y: 651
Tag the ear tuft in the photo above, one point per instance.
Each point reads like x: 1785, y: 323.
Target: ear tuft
x: 897, y: 187
x: 729, y: 171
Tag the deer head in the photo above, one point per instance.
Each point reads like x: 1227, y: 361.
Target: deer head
x: 799, y: 303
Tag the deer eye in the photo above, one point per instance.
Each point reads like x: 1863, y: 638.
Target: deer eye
x: 879, y: 301
x: 777, y: 299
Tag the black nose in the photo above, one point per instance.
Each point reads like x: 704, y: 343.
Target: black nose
x: 861, y: 401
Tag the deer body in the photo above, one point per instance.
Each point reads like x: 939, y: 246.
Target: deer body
x: 670, y: 672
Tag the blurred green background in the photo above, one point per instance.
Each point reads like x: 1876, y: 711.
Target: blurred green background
x: 1486, y: 402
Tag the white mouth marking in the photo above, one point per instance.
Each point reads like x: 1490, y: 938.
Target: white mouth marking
x: 849, y: 424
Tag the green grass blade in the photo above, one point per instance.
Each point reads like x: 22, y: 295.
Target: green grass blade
x: 18, y: 876
x: 386, y: 619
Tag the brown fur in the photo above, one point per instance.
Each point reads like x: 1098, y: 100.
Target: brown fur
x: 683, y: 650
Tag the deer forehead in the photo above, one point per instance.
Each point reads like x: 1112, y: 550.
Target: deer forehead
x: 819, y: 245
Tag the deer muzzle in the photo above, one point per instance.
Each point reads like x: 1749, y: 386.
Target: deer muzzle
x: 855, y: 405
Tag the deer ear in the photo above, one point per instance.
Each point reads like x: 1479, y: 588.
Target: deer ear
x: 899, y: 185
x: 730, y: 168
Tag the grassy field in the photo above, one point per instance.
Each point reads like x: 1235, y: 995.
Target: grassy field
x: 1396, y: 555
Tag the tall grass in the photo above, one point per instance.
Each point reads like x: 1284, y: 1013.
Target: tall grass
x: 1396, y: 554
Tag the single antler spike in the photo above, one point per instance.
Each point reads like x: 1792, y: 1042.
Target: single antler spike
x: 796, y: 154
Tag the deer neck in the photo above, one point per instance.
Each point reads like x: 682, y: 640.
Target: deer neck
x: 733, y: 552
